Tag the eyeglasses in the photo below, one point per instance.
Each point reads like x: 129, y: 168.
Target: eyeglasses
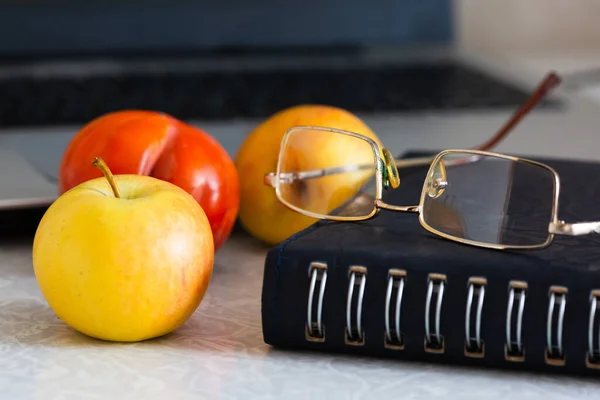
x: 471, y: 196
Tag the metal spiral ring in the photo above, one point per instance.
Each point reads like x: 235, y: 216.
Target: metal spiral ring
x: 361, y: 291
x: 388, y: 299
x: 554, y: 292
x: 313, y: 273
x: 438, y: 309
x: 388, y: 295
x: 511, y: 297
x: 593, y: 306
x: 481, y: 283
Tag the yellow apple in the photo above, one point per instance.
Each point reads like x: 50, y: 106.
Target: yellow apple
x: 261, y: 214
x: 124, y: 258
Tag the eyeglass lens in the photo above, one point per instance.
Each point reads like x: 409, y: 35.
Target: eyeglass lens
x: 327, y: 173
x: 489, y: 199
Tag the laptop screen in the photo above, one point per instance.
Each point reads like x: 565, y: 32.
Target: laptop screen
x: 107, y: 26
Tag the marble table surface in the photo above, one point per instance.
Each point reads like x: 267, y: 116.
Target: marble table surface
x: 219, y: 353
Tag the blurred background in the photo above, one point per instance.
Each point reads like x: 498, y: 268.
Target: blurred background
x: 423, y: 74
x: 66, y: 62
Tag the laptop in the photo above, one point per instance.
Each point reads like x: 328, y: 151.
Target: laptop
x: 225, y: 66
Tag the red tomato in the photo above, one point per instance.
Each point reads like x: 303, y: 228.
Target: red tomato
x: 158, y: 145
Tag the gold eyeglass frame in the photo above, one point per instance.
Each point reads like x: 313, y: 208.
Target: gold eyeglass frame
x: 387, y: 176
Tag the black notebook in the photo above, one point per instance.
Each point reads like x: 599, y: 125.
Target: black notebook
x: 386, y: 287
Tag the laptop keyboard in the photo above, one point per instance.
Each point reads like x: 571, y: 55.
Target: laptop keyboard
x: 25, y: 101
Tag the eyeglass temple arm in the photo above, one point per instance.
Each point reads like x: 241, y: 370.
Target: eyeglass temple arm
x: 550, y: 81
x: 574, y: 229
x: 288, y: 177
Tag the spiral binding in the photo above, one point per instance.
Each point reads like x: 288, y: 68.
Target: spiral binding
x: 354, y: 333
x: 514, y: 349
x: 474, y: 346
x: 434, y: 342
x: 315, y: 331
x: 393, y: 336
x: 555, y: 354
x: 592, y: 358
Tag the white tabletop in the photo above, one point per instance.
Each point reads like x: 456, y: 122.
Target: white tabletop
x: 220, y: 353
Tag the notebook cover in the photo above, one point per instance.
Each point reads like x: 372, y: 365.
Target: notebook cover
x: 397, y: 240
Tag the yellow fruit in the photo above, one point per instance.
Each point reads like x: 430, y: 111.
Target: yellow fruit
x: 261, y: 214
x: 128, y: 267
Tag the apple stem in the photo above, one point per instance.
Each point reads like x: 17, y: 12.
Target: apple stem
x: 99, y: 162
